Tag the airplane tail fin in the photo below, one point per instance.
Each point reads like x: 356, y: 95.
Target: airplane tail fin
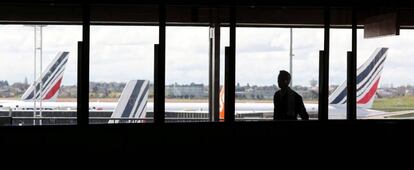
x: 51, y: 79
x: 368, y: 76
x: 133, y: 102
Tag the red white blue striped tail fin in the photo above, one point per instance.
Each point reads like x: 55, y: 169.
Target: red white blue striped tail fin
x: 47, y: 86
x: 368, y: 77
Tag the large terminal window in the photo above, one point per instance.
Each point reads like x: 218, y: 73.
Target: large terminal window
x: 261, y: 54
x: 186, y: 65
x: 385, y: 90
x: 39, y: 58
x: 266, y: 47
x: 38, y: 84
x: 340, y: 44
x: 383, y: 79
x: 186, y: 83
x: 53, y: 66
x: 122, y: 64
x: 122, y: 73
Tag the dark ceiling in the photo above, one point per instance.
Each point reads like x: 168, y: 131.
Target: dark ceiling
x: 298, y: 13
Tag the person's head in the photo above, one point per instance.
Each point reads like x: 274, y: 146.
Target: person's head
x: 283, y: 79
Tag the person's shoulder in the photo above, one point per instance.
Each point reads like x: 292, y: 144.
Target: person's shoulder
x: 297, y: 94
x: 277, y: 93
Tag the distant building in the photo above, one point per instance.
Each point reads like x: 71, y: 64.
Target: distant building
x: 68, y: 91
x: 190, y: 91
x: 256, y: 92
x: 4, y: 89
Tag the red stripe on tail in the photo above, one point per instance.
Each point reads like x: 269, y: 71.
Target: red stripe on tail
x: 53, y: 91
x: 370, y: 94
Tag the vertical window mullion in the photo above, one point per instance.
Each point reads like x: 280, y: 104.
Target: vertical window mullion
x: 159, y: 72
x: 83, y: 69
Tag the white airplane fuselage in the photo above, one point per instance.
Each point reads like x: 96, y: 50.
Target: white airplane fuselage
x: 335, y: 111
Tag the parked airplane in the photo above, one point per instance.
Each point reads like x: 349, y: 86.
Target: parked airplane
x: 131, y: 104
x: 45, y: 88
x: 368, y: 76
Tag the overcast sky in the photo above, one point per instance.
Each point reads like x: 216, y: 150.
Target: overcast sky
x: 124, y: 53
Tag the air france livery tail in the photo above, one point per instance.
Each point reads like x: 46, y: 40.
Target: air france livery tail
x: 51, y: 79
x: 133, y: 102
x: 368, y: 76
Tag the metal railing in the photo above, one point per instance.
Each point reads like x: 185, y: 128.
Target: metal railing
x: 19, y: 121
x: 68, y: 117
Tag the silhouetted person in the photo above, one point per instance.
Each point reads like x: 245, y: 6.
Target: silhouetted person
x: 287, y: 103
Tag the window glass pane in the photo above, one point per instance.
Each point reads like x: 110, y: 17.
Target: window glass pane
x: 122, y: 74
x: 40, y: 80
x: 261, y: 54
x: 187, y: 71
x: 340, y: 44
x: 385, y: 66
